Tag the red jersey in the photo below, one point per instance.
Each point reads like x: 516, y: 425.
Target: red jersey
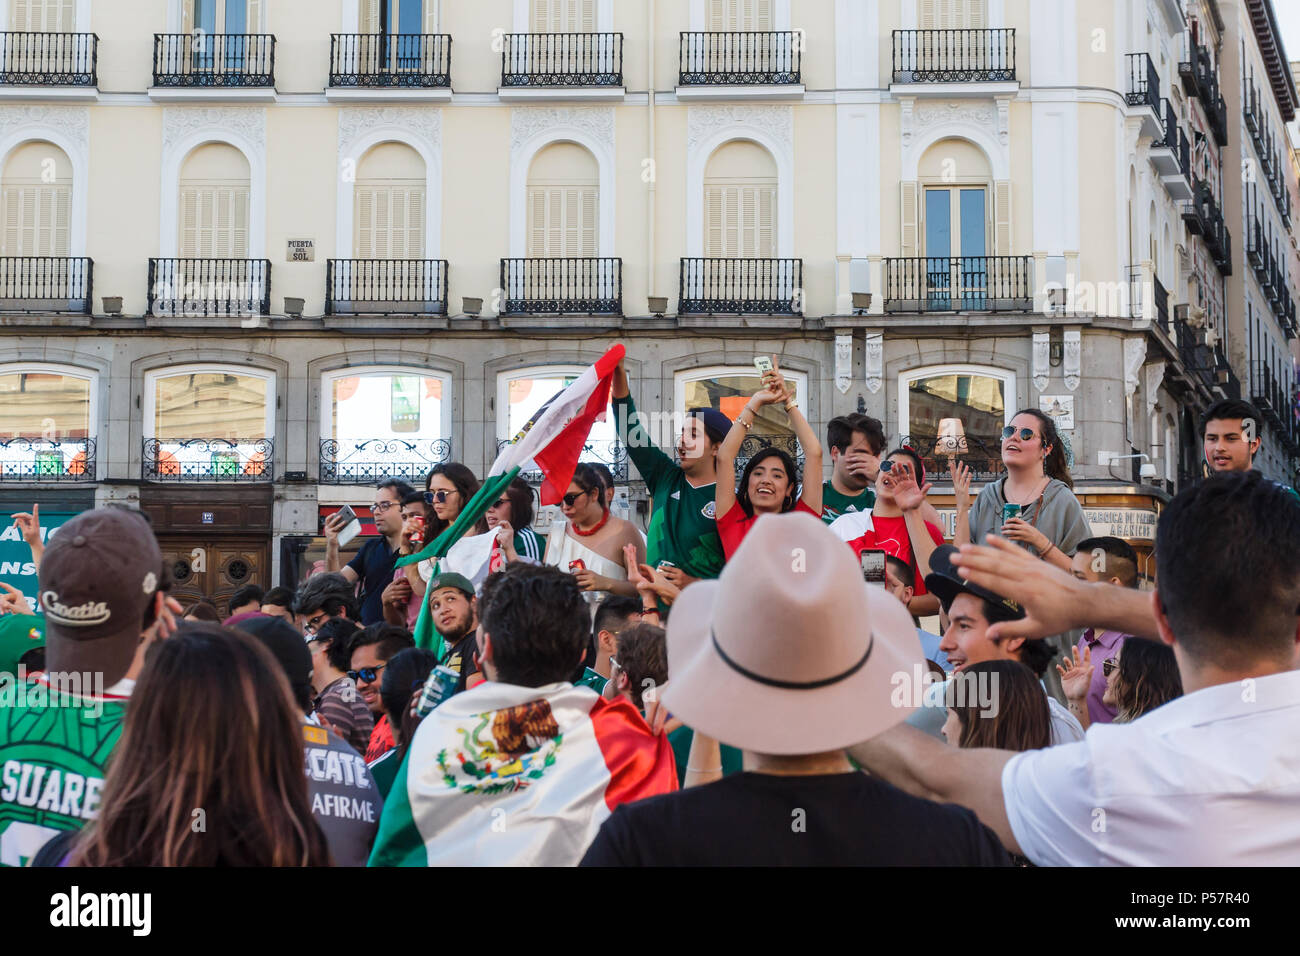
x: 890, y: 536
x: 381, y: 740
x: 733, y: 526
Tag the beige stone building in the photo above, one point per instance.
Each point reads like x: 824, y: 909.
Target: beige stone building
x: 258, y: 253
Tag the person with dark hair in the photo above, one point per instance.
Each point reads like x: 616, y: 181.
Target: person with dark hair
x: 900, y: 581
x: 247, y: 600
x: 448, y: 489
x: 369, y: 652
x: 454, y: 609
x: 1112, y: 560
x: 589, y: 542
x: 1232, y: 432
x: 345, y: 799
x: 641, y: 667
x: 526, y: 745
x: 682, y: 537
x: 201, y: 612
x: 855, y: 443
x: 404, y: 676
x: 402, y: 597
x: 278, y: 602
x: 971, y: 610
x: 770, y: 482
x: 606, y: 478
x: 1189, y: 773
x: 213, y: 708
x: 613, y: 615
x: 337, y: 704
x: 511, y: 517
x: 1138, y: 677
x: 373, y: 564
x: 323, y: 597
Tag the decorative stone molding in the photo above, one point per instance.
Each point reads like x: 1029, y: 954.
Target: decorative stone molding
x: 875, y: 372
x: 843, y: 361
x: 596, y: 121
x: 355, y: 122
x: 907, y: 107
x: 1152, y: 377
x: 72, y: 121
x: 1135, y: 353
x: 1042, y: 359
x: 1073, y: 357
x: 703, y: 121
x: 179, y: 122
x: 932, y: 114
x: 1004, y: 120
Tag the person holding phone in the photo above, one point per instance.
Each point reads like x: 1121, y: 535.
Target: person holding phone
x: 589, y: 542
x: 770, y: 481
x: 374, y: 563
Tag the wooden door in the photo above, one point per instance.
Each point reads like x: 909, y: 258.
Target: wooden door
x: 214, y: 569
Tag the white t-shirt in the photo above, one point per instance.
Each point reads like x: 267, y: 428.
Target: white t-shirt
x: 851, y: 525
x: 1209, y: 779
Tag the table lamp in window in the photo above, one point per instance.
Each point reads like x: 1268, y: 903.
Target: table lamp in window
x: 951, y: 441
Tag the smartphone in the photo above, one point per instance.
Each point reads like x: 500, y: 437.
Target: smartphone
x: 665, y: 563
x: 440, y: 684
x: 1010, y: 511
x: 351, y: 527
x: 577, y: 564
x: 873, y: 566
x: 763, y: 364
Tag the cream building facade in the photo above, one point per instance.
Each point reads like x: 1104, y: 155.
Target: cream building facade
x: 259, y: 253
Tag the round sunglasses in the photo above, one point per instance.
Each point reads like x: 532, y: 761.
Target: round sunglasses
x: 1024, y: 434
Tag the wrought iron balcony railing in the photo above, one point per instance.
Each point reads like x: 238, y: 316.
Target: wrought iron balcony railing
x: 1161, y: 298
x: 961, y: 284
x: 955, y: 56
x: 611, y: 454
x: 1203, y: 218
x: 213, y: 59
x: 763, y: 58
x: 1200, y: 80
x: 216, y: 287
x: 367, y: 461
x: 984, y: 458
x: 1143, y: 82
x: 1173, y: 138
x: 46, y: 284
x: 562, y: 59
x: 39, y: 460
x: 739, y: 286
x: 390, y: 60
x: 208, y: 459
x: 49, y: 59
x: 573, y: 285
x: 386, y: 287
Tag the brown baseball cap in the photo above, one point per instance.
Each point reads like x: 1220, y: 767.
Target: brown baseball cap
x: 97, y: 578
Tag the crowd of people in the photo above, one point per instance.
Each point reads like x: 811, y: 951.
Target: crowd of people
x: 724, y: 689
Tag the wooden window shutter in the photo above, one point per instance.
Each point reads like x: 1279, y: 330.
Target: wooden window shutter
x: 590, y: 221
x: 713, y: 220
x: 363, y: 223
x: 369, y: 19
x: 62, y: 239
x: 909, y: 221
x: 572, y: 222
x: 731, y: 226
x: 585, y: 22
x: 976, y: 14
x: 44, y: 222
x: 223, y: 234
x: 536, y: 221
x: 20, y: 20
x: 766, y: 246
x: 760, y: 15
x: 430, y: 16
x: 554, y: 222
x: 383, y: 222
x: 187, y: 16
x: 12, y: 207
x: 254, y: 20
x: 718, y: 19
x: 189, y: 224
x: 540, y: 21
x: 928, y: 14
x: 415, y: 222
x: 1002, y: 218
x: 239, y: 202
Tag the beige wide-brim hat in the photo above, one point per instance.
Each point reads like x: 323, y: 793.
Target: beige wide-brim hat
x: 789, y: 651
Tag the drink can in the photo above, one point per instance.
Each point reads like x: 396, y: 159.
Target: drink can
x: 1010, y: 511
x: 577, y: 564
x: 440, y: 685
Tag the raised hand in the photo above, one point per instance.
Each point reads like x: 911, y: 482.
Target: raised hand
x: 1076, y: 678
x: 29, y: 525
x: 961, y: 475
x: 907, y: 495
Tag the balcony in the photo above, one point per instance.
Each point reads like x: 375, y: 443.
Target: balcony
x: 1161, y: 298
x: 1143, y: 92
x: 385, y: 66
x: 366, y: 461
x: 984, y: 459
x: 1202, y: 217
x: 757, y: 65
x: 208, y: 459
x: 1201, y: 81
x: 49, y: 66
x: 954, y: 56
x: 213, y: 66
x: 1171, y: 156
x: 551, y: 66
x: 209, y: 287
x: 962, y: 284
x: 46, y: 284
x: 1197, y: 355
x: 386, y: 287
x: 562, y: 286
x: 719, y: 286
x: 40, y: 460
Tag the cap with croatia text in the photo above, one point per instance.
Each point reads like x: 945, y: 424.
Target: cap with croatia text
x: 98, y: 577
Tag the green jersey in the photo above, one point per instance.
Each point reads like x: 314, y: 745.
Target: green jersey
x: 682, y: 526
x: 835, y: 504
x: 53, y: 748
x: 592, y: 679
x: 529, y: 544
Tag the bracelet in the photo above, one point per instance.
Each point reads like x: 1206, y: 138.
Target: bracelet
x: 698, y: 770
x: 1050, y: 546
x: 791, y: 405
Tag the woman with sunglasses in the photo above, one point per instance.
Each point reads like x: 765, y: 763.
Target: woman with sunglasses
x: 1141, y: 676
x: 511, y: 518
x: 448, y: 489
x: 1033, y: 504
x: 589, y: 542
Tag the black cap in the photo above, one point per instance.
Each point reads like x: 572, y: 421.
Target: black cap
x: 945, y: 584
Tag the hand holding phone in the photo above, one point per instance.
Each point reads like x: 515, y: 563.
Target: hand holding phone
x: 351, y: 524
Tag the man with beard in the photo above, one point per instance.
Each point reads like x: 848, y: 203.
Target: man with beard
x: 455, y: 615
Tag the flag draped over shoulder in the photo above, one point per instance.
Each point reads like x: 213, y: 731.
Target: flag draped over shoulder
x: 554, y: 439
x: 518, y: 776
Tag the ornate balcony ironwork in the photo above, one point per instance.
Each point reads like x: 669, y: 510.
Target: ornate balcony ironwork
x: 562, y: 59
x: 213, y: 59
x: 1202, y: 81
x: 209, y: 459
x: 983, y: 459
x: 739, y: 286
x: 49, y: 59
x: 218, y: 287
x: 611, y: 454
x: 754, y: 58
x: 367, y: 461
x: 46, y: 284
x: 954, y: 56
x: 390, y: 60
x: 1143, y: 82
x: 386, y: 287
x: 39, y: 460
x: 575, y: 286
x: 961, y: 284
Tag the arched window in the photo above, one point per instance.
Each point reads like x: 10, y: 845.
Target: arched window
x: 36, y: 201
x: 209, y: 422
x: 983, y: 399
x: 48, y: 418
x: 955, y: 222
x: 522, y: 392
x: 727, y: 388
x: 214, y: 204
x: 740, y: 202
x: 383, y: 421
x: 389, y: 204
x: 563, y: 202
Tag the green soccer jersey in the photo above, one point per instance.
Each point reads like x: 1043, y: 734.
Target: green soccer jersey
x: 835, y: 504
x: 53, y: 748
x: 682, y: 526
x: 592, y: 679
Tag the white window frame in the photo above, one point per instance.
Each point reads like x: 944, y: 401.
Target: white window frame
x: 70, y: 371
x: 347, y: 187
x: 905, y: 379
x: 79, y: 160
x: 173, y: 165
x: 81, y: 16
x: 682, y: 378
x: 780, y: 15
x: 909, y: 11
x: 328, y: 379
x: 176, y: 16
x: 351, y: 18
x: 697, y: 161
x: 521, y: 162
x: 153, y: 376
x: 604, y: 16
x: 504, y: 379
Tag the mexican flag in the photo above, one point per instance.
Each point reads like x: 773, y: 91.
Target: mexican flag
x: 503, y: 775
x: 554, y: 439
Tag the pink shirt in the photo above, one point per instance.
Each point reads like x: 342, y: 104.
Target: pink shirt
x: 1104, y: 645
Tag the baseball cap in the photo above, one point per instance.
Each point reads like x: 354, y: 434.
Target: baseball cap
x: 450, y: 579
x: 19, y: 633
x: 98, y: 578
x: 716, y: 424
x: 945, y: 584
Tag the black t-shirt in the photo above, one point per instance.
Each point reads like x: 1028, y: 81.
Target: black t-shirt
x: 754, y: 819
x: 374, y: 564
x: 460, y: 658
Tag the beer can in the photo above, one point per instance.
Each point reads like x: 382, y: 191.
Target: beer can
x: 440, y: 684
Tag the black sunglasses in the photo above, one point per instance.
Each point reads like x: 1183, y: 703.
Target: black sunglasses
x: 888, y: 465
x: 367, y: 674
x: 439, y: 496
x: 1026, y: 434
x: 1108, y: 665
x: 572, y: 498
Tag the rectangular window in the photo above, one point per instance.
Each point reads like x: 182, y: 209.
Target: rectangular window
x: 36, y: 220
x: 37, y: 405
x: 210, y: 405
x: 562, y: 220
x: 740, y: 220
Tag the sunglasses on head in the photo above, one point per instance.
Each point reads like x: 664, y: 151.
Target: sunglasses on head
x: 1024, y: 434
x: 367, y: 674
x: 439, y: 496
